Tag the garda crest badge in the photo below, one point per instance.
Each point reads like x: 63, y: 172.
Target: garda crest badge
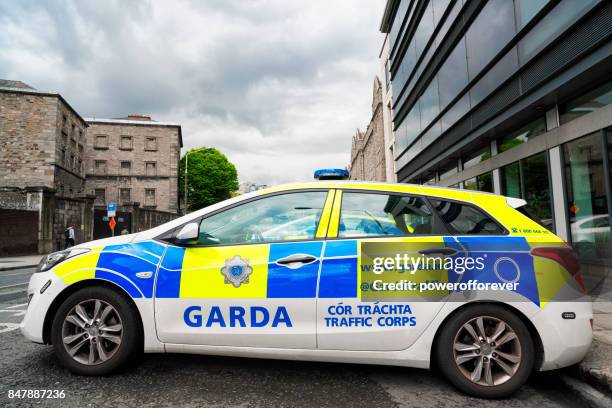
x: 236, y: 271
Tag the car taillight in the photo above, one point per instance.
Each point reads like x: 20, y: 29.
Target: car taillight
x: 566, y: 257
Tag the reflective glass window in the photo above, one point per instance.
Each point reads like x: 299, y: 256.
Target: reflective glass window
x: 511, y: 180
x: 453, y: 75
x: 520, y: 136
x: 526, y: 10
x: 593, y: 100
x: 587, y: 196
x: 489, y: 33
x: 430, y: 103
x: 549, y: 28
x: 501, y: 71
x: 424, y: 30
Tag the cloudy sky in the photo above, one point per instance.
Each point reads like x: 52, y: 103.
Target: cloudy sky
x: 278, y: 86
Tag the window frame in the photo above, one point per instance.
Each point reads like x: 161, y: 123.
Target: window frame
x: 170, y: 235
x: 438, y: 224
x: 147, y: 148
x: 99, y: 146
x: 121, y: 199
x: 126, y: 137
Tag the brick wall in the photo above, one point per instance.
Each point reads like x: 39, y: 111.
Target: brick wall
x: 27, y: 139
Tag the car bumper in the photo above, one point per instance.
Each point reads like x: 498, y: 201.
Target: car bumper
x: 39, y: 303
x: 565, y: 341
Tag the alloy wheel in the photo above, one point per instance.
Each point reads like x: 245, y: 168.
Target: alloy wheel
x: 487, y: 351
x: 92, y: 332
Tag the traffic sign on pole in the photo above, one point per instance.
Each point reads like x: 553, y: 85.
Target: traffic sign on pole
x: 112, y: 224
x: 111, y: 209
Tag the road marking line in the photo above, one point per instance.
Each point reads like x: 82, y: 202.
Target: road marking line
x: 9, y: 327
x: 16, y: 306
x: 13, y: 286
x: 16, y: 312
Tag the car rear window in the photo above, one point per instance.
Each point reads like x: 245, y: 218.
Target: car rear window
x: 464, y: 219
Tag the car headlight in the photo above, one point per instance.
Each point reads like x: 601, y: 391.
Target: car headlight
x: 54, y: 258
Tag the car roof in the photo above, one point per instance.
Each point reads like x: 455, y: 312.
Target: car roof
x: 435, y: 191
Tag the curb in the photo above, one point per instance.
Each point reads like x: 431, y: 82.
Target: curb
x: 596, y: 371
x: 587, y: 394
x: 22, y: 266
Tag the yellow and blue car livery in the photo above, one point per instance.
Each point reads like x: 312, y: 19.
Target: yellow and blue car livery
x: 175, y: 285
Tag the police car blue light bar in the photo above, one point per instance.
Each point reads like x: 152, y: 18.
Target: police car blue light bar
x: 331, y: 174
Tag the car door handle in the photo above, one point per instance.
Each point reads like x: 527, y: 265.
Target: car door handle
x: 296, y: 260
x: 443, y: 251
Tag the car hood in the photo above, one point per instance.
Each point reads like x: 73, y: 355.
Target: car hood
x: 118, y: 240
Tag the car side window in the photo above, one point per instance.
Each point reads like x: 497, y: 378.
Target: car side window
x: 375, y: 214
x: 465, y: 219
x: 287, y: 217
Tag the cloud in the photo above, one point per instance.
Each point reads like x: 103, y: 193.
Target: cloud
x: 278, y: 86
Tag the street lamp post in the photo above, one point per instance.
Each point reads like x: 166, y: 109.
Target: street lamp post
x: 186, y: 170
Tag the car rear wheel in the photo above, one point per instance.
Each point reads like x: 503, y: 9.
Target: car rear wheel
x: 95, y: 331
x: 486, y: 351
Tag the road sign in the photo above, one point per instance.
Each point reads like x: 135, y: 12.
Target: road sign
x: 111, y: 209
x: 112, y: 224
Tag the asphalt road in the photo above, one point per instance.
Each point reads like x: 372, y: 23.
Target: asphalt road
x: 186, y: 381
x: 13, y: 278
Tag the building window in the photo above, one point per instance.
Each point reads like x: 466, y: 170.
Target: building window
x: 587, y: 191
x: 522, y: 135
x: 100, y: 194
x: 528, y: 179
x: 151, y: 143
x: 126, y: 167
x: 150, y: 168
x: 100, y: 167
x: 587, y: 103
x: 488, y: 34
x: 72, y: 163
x: 125, y: 195
x: 126, y: 143
x: 73, y: 132
x: 101, y: 142
x: 483, y: 182
x: 477, y: 157
x: 149, y: 197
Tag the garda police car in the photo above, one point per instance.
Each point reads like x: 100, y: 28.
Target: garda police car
x: 293, y: 272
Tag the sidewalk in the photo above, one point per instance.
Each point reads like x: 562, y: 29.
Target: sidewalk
x: 596, y: 368
x: 17, y: 262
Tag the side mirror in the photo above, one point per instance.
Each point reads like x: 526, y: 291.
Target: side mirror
x: 189, y: 232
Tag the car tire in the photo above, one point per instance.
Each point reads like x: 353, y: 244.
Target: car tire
x: 96, y: 331
x: 495, y: 366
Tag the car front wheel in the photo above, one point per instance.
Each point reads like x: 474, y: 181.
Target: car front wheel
x: 486, y: 351
x: 95, y: 331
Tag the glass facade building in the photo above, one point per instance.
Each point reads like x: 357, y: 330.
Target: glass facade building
x: 511, y: 97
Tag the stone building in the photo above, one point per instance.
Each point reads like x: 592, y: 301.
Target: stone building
x: 56, y: 170
x: 42, y: 180
x: 134, y: 160
x: 368, y: 148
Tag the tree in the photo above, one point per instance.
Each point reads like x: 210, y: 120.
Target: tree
x: 211, y: 177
